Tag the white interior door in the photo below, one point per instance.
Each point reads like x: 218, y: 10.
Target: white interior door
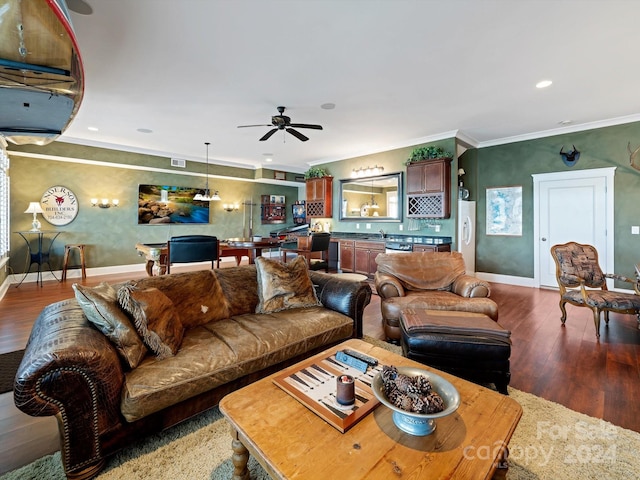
x: 467, y: 234
x: 573, y: 206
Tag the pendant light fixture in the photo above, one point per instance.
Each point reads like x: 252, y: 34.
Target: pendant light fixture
x: 206, y: 197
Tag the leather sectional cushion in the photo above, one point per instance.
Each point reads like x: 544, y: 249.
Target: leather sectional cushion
x: 196, y: 295
x: 155, y: 318
x: 100, y: 306
x: 223, y: 351
x: 284, y: 285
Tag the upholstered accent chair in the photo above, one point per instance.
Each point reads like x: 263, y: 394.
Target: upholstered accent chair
x: 315, y: 249
x: 192, y: 248
x: 583, y: 284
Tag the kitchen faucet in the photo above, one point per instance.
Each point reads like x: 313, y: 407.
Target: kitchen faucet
x: 382, y: 233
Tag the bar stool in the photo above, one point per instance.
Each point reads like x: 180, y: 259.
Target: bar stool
x: 65, y: 263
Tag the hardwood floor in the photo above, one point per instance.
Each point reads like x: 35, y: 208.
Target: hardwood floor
x: 563, y: 364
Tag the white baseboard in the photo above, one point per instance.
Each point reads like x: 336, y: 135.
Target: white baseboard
x: 506, y: 279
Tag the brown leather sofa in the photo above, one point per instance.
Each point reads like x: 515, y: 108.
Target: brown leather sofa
x: 427, y: 280
x: 73, y: 371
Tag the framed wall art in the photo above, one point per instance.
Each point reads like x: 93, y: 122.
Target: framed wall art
x: 162, y: 204
x: 504, y: 211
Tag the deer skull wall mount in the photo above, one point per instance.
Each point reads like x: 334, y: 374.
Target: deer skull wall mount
x: 570, y: 158
x: 632, y: 156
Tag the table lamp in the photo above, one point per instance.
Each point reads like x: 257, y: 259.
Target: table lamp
x: 35, y: 208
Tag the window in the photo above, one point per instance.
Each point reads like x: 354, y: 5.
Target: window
x: 4, y: 200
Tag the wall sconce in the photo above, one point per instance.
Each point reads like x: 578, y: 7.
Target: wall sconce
x: 104, y: 203
x: 366, y: 172
x: 231, y: 207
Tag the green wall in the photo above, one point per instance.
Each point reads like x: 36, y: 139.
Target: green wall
x: 513, y: 164
x: 111, y: 234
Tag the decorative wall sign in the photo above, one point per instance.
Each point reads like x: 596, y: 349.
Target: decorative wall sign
x: 59, y: 205
x: 504, y: 211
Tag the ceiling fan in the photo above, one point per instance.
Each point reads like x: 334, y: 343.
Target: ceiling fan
x: 282, y: 122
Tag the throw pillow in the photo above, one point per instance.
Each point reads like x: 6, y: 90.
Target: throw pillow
x: 196, y: 295
x: 155, y: 318
x: 100, y: 306
x: 284, y: 285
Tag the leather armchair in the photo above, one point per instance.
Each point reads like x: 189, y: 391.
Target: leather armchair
x: 428, y: 280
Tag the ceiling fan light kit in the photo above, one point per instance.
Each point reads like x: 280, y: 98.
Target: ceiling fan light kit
x: 283, y: 122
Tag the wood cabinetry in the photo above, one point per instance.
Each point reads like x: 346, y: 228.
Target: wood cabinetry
x: 347, y: 255
x: 273, y: 209
x: 365, y: 257
x: 431, y: 248
x: 429, y: 189
x: 319, y: 197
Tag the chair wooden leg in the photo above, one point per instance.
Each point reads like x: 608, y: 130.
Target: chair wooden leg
x: 596, y: 320
x: 563, y: 309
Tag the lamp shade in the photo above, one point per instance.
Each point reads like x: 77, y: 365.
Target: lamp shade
x: 34, y: 207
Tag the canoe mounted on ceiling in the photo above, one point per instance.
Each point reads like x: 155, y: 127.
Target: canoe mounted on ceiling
x: 41, y: 74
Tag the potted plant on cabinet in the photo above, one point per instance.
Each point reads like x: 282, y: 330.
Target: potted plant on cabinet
x: 316, y: 172
x: 427, y: 153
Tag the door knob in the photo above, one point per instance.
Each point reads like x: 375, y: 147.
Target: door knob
x: 544, y: 239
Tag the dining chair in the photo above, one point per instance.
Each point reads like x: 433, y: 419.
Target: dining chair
x: 192, y: 248
x: 310, y: 247
x: 583, y: 284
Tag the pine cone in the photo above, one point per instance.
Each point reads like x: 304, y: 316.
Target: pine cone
x: 422, y: 384
x: 405, y: 384
x: 433, y: 403
x: 418, y: 405
x: 404, y: 402
x: 388, y: 373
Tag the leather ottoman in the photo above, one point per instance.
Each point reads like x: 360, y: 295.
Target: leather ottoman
x: 468, y: 345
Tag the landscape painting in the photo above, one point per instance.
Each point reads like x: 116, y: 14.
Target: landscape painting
x: 162, y: 204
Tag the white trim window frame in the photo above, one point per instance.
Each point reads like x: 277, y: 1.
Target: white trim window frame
x: 4, y: 202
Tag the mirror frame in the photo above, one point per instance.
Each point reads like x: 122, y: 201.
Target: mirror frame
x: 399, y: 181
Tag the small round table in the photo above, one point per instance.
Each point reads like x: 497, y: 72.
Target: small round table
x: 40, y: 256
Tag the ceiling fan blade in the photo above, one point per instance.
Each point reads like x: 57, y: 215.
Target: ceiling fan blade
x: 268, y: 134
x: 244, y: 126
x: 306, y: 125
x: 297, y: 134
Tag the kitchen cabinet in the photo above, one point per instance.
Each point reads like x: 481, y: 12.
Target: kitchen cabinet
x: 319, y: 197
x: 365, y: 257
x: 347, y: 255
x: 431, y: 248
x: 429, y: 189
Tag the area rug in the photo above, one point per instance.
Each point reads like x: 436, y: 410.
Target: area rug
x: 550, y: 442
x: 9, y: 363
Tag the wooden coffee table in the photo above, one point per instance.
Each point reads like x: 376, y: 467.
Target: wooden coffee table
x: 290, y: 441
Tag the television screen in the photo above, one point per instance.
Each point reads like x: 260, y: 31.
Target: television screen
x: 162, y: 204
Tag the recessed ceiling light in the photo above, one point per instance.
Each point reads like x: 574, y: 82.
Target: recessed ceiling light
x: 328, y: 106
x: 145, y: 130
x: 268, y: 157
x: 92, y: 129
x: 543, y: 84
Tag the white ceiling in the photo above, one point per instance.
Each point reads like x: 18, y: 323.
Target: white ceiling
x: 399, y: 73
